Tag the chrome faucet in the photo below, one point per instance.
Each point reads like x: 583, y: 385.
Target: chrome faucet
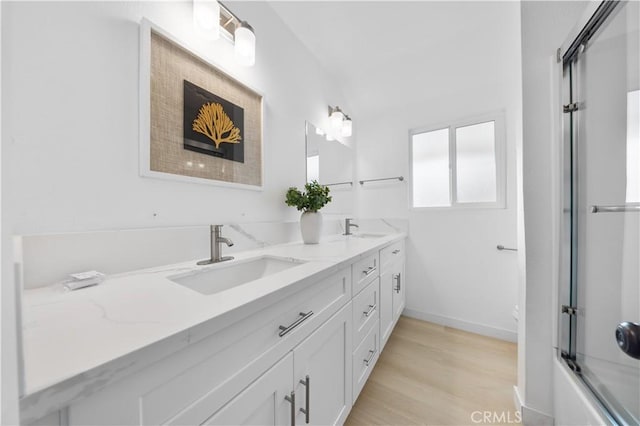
x: 348, y: 225
x: 216, y: 245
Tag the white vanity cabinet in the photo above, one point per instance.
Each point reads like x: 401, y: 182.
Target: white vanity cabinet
x: 191, y: 386
x: 392, y: 288
x: 301, y: 356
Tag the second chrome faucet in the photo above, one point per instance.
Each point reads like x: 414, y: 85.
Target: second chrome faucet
x: 216, y: 247
x: 348, y: 225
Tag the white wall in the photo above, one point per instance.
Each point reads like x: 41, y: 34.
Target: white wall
x: 545, y: 25
x: 74, y: 167
x: 70, y: 115
x: 455, y: 274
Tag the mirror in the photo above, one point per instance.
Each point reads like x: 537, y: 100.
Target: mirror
x: 330, y: 162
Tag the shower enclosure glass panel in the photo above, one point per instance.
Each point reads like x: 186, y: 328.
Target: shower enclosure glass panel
x: 605, y: 254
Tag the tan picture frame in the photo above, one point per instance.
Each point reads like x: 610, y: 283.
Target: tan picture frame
x: 165, y: 63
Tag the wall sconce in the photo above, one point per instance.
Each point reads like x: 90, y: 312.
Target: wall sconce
x: 211, y: 19
x: 340, y: 122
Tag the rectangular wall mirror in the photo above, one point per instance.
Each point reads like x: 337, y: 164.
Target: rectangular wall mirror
x: 330, y: 162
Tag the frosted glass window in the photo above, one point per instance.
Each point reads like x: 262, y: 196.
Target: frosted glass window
x: 476, y: 163
x: 633, y: 147
x: 313, y: 168
x: 461, y: 165
x: 431, y: 169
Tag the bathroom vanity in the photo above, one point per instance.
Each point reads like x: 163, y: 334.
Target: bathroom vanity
x: 292, y: 341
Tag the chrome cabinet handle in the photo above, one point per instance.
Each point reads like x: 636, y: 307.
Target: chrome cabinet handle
x: 396, y: 251
x: 303, y: 317
x: 371, y: 355
x: 371, y: 309
x: 369, y: 270
x: 398, y: 279
x: 292, y: 400
x: 307, y: 384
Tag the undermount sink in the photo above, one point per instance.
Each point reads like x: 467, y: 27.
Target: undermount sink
x: 226, y: 275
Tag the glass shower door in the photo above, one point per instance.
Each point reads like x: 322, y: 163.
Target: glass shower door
x: 606, y: 212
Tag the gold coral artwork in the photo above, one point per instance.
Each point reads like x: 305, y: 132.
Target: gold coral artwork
x: 215, y: 124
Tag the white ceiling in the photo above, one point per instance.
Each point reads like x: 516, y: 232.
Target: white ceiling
x: 390, y: 53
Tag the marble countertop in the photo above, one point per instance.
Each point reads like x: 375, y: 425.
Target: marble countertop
x: 72, y: 339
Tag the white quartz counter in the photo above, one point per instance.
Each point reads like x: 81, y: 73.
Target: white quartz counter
x: 75, y: 342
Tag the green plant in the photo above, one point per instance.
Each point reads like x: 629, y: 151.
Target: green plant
x: 313, y: 199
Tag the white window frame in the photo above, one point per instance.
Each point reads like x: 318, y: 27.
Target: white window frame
x: 500, y: 158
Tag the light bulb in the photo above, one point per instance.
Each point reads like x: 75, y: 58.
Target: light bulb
x: 245, y: 44
x: 336, y: 119
x: 347, y: 127
x: 206, y: 18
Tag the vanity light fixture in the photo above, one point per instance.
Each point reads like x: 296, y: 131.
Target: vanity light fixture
x: 245, y: 44
x: 335, y: 118
x: 206, y: 18
x: 340, y: 123
x: 212, y: 19
x: 347, y: 127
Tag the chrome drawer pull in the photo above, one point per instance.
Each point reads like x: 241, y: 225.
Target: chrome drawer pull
x: 371, y: 309
x: 303, y: 317
x: 369, y: 271
x: 307, y: 384
x: 292, y: 400
x: 371, y: 355
x: 398, y: 279
x: 396, y: 251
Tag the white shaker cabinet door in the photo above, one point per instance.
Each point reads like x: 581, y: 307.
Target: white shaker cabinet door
x: 387, y: 285
x: 322, y: 366
x: 267, y: 401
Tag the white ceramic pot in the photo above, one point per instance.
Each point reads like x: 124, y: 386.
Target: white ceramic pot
x: 311, y: 227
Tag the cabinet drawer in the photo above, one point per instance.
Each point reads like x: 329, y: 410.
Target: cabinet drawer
x: 390, y: 254
x: 366, y: 308
x: 364, y: 358
x: 364, y: 271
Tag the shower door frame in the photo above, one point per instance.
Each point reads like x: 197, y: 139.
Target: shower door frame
x: 569, y: 115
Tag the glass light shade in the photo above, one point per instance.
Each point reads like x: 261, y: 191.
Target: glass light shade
x: 347, y: 127
x: 336, y: 119
x: 245, y: 44
x: 206, y: 18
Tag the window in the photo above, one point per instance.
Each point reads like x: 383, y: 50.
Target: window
x: 460, y: 165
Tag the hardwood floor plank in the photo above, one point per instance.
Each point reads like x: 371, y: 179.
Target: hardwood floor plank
x: 429, y: 374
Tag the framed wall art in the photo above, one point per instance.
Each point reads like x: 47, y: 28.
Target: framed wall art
x: 197, y: 123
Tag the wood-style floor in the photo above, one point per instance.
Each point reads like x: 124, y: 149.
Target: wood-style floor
x: 428, y: 374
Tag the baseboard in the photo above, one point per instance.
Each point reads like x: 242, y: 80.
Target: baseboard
x: 485, y: 330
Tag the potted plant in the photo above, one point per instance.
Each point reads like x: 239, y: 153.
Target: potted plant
x: 309, y: 202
